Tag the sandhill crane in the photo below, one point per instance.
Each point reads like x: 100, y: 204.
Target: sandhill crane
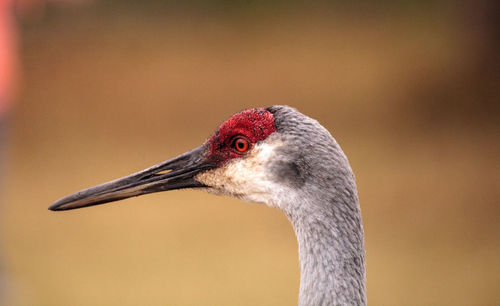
x: 282, y: 158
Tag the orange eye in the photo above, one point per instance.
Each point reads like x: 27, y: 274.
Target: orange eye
x: 241, y: 144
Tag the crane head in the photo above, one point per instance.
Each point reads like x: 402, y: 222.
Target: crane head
x: 237, y: 160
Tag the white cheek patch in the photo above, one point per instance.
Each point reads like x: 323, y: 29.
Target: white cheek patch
x: 246, y: 178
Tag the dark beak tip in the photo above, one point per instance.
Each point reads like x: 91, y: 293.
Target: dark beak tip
x: 57, y: 206
x: 64, y: 203
x: 54, y: 208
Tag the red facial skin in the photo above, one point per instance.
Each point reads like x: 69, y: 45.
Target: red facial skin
x: 254, y: 125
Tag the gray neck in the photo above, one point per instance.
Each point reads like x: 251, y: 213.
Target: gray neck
x: 319, y: 196
x: 331, y: 253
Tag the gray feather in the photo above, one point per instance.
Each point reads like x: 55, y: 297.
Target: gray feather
x: 325, y: 214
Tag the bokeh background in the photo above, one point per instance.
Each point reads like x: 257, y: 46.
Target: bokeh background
x: 409, y: 89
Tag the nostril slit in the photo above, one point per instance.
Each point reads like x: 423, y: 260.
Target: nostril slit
x: 163, y: 172
x: 147, y: 177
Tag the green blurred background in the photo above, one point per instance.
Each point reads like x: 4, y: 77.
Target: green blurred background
x: 409, y: 89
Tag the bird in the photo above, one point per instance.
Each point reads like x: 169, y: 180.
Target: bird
x: 284, y: 159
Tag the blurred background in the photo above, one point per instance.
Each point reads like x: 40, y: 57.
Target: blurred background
x: 94, y: 90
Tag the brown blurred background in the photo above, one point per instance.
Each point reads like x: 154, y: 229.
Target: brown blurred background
x: 409, y: 89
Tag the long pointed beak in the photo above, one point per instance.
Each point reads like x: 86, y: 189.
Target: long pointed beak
x: 176, y: 173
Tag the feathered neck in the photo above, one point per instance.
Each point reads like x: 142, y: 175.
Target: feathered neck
x: 331, y: 252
